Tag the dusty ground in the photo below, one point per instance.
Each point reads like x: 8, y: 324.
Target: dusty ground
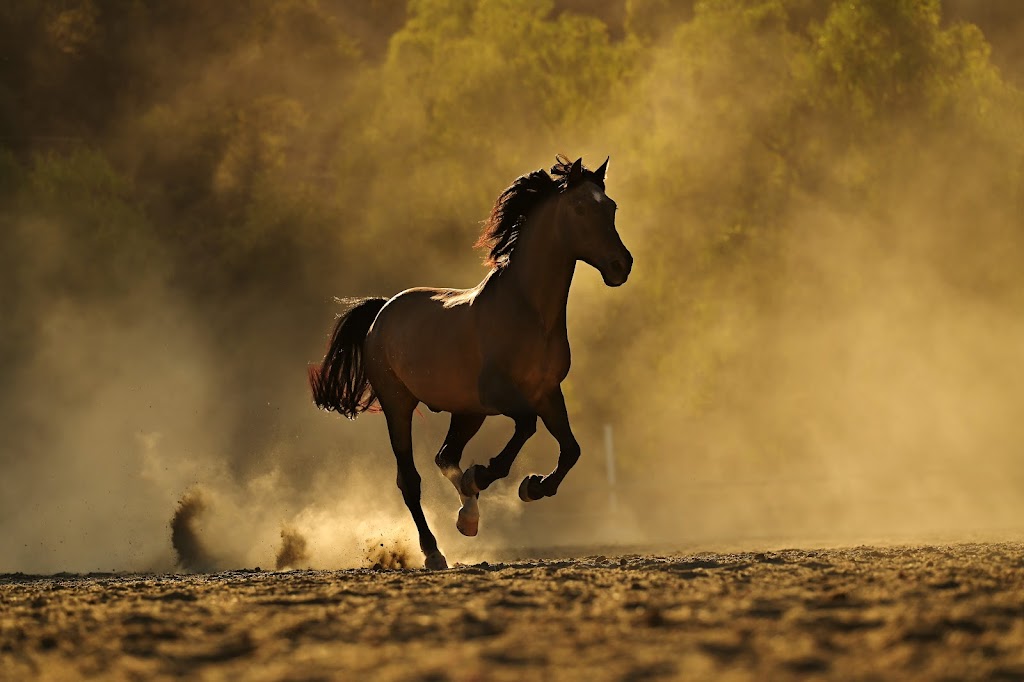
x: 943, y: 612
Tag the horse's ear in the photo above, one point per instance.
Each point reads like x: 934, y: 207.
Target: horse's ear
x: 602, y: 169
x: 575, y: 173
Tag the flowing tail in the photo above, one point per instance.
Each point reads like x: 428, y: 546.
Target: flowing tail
x: 339, y: 383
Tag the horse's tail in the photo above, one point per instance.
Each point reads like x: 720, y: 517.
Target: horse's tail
x: 339, y: 383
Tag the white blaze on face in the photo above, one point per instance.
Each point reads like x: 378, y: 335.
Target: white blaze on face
x: 598, y: 195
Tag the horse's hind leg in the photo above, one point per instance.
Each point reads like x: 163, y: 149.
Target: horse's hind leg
x: 399, y: 416
x: 462, y: 429
x: 556, y: 419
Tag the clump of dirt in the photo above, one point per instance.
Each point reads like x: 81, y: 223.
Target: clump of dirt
x: 293, y: 549
x: 185, y: 533
x: 389, y: 555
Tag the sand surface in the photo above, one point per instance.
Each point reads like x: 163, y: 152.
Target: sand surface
x: 937, y: 612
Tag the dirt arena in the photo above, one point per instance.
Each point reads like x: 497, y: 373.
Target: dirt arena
x: 901, y: 613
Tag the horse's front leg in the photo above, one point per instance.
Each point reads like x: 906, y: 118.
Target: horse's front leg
x: 552, y: 412
x: 479, y: 477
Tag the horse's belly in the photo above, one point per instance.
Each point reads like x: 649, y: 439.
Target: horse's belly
x: 442, y: 386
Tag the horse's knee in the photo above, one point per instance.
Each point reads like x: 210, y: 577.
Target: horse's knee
x: 527, y: 426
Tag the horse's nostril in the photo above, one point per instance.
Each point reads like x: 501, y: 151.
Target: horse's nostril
x: 617, y: 272
x: 622, y: 266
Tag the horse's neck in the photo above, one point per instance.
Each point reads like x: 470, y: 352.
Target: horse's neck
x: 542, y: 269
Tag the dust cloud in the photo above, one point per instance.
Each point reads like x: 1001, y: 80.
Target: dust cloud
x: 293, y: 550
x: 820, y: 341
x: 388, y: 557
x: 186, y: 533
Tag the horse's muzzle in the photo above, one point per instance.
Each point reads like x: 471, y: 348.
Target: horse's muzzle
x: 617, y: 271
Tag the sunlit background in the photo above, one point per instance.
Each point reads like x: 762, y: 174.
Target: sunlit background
x: 822, y: 341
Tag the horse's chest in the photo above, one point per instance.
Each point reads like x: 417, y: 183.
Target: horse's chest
x: 544, y: 367
x: 517, y: 380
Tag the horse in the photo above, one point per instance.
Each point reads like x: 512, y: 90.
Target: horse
x: 499, y: 348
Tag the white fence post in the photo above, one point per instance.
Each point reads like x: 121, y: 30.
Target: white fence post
x: 609, y: 458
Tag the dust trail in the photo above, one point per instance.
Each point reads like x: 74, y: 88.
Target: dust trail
x: 294, y: 549
x: 185, y: 533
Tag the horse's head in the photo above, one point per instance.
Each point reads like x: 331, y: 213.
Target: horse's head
x: 587, y: 220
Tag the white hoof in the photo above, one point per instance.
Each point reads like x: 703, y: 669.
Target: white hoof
x: 435, y: 562
x: 469, y: 516
x: 468, y: 524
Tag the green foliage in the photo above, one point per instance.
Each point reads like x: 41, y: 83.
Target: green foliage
x: 873, y: 58
x: 463, y: 70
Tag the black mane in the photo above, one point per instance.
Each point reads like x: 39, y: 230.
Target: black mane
x: 502, y: 227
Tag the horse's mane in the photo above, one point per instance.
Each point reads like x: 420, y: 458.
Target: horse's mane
x: 502, y: 227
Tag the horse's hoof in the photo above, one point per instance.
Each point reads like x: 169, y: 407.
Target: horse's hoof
x: 525, y: 492
x: 467, y: 484
x: 468, y: 524
x: 435, y: 562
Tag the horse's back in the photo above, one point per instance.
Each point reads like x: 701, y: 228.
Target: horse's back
x: 436, y: 312
x: 427, y: 339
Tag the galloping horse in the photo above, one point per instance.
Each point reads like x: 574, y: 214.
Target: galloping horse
x: 499, y: 348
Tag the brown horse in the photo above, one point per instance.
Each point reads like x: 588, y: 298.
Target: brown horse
x: 498, y: 348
